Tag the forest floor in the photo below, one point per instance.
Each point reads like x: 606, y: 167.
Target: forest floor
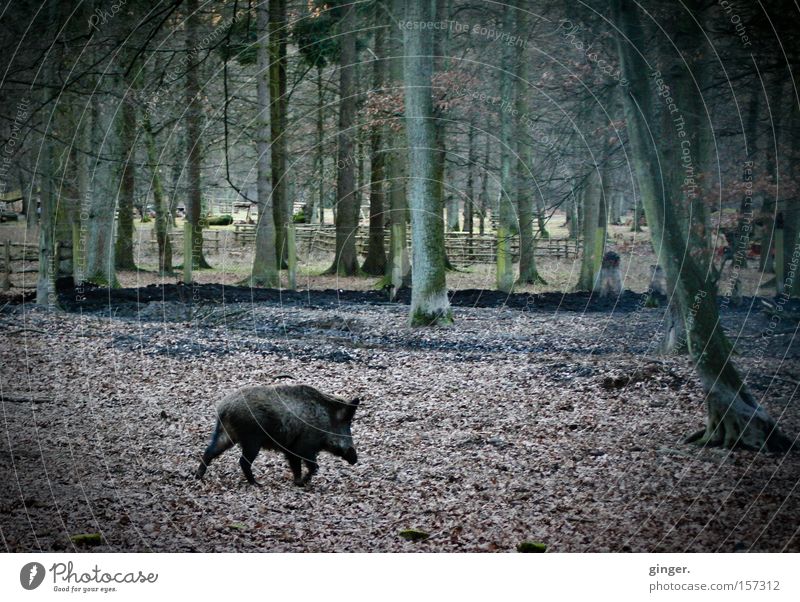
x: 547, y: 418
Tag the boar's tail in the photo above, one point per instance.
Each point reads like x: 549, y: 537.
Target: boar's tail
x: 220, y: 438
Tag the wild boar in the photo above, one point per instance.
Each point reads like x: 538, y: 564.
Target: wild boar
x: 298, y: 420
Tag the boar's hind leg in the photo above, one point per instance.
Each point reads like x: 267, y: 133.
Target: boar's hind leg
x: 312, y: 466
x: 220, y: 442
x: 249, y: 452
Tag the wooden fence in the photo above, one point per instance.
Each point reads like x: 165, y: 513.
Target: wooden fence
x: 462, y: 248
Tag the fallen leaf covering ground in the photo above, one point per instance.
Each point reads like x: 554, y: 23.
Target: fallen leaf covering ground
x: 533, y: 418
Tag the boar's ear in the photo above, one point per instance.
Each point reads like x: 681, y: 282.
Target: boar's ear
x: 346, y: 413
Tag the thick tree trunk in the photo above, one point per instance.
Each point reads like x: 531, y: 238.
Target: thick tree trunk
x: 790, y: 283
x: 375, y: 262
x: 345, y: 262
x: 528, y: 274
x: 769, y: 208
x: 399, y: 268
x: 734, y: 417
x: 429, y: 302
x: 127, y: 190
x: 590, y: 202
x: 265, y: 263
x: 102, y: 201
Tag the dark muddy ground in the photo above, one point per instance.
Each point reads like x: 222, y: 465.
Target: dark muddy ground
x: 548, y: 418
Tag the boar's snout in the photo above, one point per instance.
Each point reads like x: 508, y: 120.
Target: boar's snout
x: 350, y: 455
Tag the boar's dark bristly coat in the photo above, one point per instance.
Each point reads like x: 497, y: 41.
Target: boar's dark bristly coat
x: 298, y: 420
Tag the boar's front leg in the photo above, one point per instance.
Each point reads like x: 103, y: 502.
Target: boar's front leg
x: 249, y: 452
x: 296, y: 465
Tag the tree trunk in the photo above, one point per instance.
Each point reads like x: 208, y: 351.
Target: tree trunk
x: 590, y: 202
x: 127, y: 190
x: 102, y: 201
x: 638, y: 213
x: 790, y: 284
x: 345, y: 262
x: 161, y: 208
x: 195, y: 220
x: 278, y: 119
x: 734, y: 417
x: 375, y: 262
x: 320, y: 155
x: 265, y: 263
x: 46, y: 295
x: 769, y: 208
x: 506, y: 215
x: 399, y: 267
x: 528, y: 274
x: 469, y: 202
x: 572, y: 217
x: 429, y: 302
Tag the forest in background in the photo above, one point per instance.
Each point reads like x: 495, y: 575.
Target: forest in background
x: 629, y: 157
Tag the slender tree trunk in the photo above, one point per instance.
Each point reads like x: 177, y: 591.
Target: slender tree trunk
x: 46, y: 295
x: 345, y: 262
x: 506, y: 214
x: 265, y: 263
x: 162, y: 224
x: 541, y: 217
x: 483, y: 200
x: 469, y: 202
x: 278, y: 120
x: 195, y: 220
x: 572, y: 217
x: 453, y: 213
x: 439, y: 124
x: 399, y: 266
x: 375, y: 262
x: 320, y: 155
x: 429, y: 302
x: 734, y: 417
